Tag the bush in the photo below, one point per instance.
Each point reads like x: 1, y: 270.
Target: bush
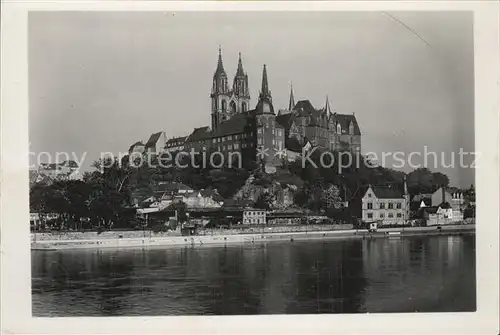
x: 159, y: 228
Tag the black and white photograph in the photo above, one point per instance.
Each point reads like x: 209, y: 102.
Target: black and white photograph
x: 253, y: 162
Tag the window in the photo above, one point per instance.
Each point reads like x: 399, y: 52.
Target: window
x: 224, y: 105
x: 390, y: 205
x: 391, y: 215
x: 224, y: 147
x: 243, y: 145
x: 236, y: 146
x: 369, y: 215
x: 273, y: 131
x: 399, y: 215
x: 230, y: 147
x: 398, y: 205
x: 274, y: 141
x: 369, y: 205
x: 214, y: 140
x: 259, y: 141
x: 233, y: 107
x: 381, y: 215
x: 369, y: 195
x: 382, y: 205
x: 259, y: 131
x: 230, y: 138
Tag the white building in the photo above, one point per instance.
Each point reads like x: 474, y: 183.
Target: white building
x: 156, y: 143
x: 254, y: 216
x: 386, y: 205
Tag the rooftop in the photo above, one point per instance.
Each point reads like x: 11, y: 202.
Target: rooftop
x: 387, y: 192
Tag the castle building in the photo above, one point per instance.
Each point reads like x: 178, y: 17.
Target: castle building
x: 260, y: 135
x: 320, y: 127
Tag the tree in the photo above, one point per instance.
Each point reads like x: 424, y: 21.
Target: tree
x: 264, y: 201
x: 181, y: 210
x: 331, y: 197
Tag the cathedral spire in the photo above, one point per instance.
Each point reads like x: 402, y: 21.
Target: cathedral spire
x: 239, y: 71
x: 291, y: 103
x: 240, y: 81
x: 327, y: 107
x: 264, y: 91
x: 220, y: 66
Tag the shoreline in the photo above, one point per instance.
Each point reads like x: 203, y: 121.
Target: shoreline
x: 212, y: 240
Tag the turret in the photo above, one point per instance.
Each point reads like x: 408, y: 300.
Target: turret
x: 291, y: 103
x: 265, y: 93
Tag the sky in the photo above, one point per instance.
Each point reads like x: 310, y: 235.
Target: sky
x: 100, y: 81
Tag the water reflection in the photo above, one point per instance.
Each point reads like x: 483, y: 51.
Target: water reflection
x: 384, y: 275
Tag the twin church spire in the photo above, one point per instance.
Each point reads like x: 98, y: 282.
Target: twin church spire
x: 226, y: 101
x: 240, y: 82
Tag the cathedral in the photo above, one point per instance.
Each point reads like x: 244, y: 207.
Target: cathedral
x: 261, y: 134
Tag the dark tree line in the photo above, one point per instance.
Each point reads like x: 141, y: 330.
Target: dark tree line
x: 105, y: 196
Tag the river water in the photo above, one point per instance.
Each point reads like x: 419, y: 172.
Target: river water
x: 411, y: 274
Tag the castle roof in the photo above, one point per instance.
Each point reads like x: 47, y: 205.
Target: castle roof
x: 153, y: 139
x: 199, y: 134
x: 239, y: 123
x: 305, y: 108
x: 345, y: 120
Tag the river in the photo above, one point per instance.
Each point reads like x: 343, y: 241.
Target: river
x: 411, y: 274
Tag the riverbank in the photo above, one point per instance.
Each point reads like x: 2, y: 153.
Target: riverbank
x: 165, y: 240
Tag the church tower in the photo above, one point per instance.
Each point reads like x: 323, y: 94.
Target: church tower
x: 291, y: 103
x: 265, y: 93
x: 220, y: 95
x: 240, y: 98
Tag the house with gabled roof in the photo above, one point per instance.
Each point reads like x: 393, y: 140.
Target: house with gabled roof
x: 156, y: 143
x: 387, y: 205
x: 175, y: 144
